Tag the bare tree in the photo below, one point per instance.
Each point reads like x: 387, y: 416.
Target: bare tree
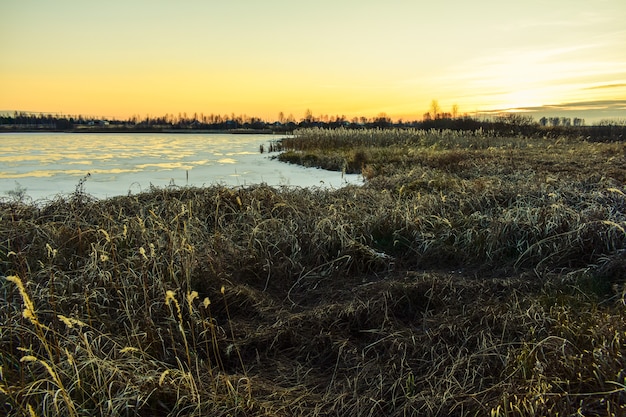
x: 435, y: 110
x: 455, y: 111
x: 308, y: 115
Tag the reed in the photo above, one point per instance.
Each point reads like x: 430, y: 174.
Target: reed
x: 459, y: 280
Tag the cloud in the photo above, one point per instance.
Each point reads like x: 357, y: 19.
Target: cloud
x: 578, y: 105
x: 597, y: 87
x: 590, y: 110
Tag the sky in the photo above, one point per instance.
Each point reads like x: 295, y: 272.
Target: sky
x: 353, y: 58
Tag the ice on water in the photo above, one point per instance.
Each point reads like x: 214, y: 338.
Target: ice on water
x: 47, y: 164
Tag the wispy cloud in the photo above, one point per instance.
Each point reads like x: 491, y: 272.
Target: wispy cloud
x: 608, y: 86
x: 591, y: 110
x: 579, y: 105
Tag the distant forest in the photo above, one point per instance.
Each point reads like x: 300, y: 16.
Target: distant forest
x: 502, y: 125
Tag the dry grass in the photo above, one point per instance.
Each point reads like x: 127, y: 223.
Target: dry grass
x: 460, y: 280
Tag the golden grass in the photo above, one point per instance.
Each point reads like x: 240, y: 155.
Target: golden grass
x: 459, y: 280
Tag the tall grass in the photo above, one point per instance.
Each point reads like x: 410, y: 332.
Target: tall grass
x: 457, y: 281
x: 385, y: 152
x: 341, y: 138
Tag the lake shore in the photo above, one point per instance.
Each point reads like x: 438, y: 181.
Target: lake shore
x: 45, y: 165
x: 469, y: 275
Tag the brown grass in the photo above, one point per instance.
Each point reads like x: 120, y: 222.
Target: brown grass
x: 458, y: 281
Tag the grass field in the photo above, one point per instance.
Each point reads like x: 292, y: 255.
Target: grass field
x: 472, y: 274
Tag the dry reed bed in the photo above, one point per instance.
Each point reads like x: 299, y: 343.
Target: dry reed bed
x: 464, y: 285
x: 384, y: 152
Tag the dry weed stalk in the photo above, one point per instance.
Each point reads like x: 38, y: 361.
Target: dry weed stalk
x: 471, y: 274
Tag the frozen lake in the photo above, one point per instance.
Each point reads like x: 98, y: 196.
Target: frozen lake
x: 48, y: 164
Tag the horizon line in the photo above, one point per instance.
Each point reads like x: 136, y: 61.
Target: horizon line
x: 617, y: 105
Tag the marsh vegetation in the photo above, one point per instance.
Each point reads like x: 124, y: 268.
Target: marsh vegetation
x: 472, y: 274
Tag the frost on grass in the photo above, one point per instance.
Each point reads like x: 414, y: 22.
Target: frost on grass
x: 459, y: 280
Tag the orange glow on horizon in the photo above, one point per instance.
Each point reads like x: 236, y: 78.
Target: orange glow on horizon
x: 263, y: 59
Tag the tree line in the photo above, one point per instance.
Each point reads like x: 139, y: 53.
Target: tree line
x: 506, y: 124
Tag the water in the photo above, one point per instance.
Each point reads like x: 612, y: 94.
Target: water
x: 48, y: 164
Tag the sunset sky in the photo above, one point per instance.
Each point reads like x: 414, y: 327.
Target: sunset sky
x: 116, y: 59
